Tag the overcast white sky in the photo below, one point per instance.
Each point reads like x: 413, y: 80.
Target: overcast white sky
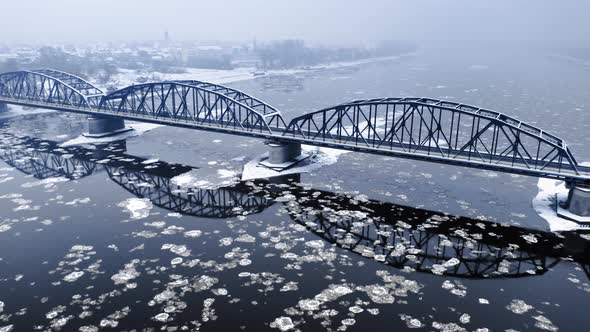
x: 318, y: 21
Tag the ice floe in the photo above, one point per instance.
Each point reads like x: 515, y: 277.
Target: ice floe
x: 139, y: 128
x: 206, y: 178
x: 17, y: 110
x: 46, y: 183
x: 317, y: 157
x: 551, y: 193
x: 138, y: 208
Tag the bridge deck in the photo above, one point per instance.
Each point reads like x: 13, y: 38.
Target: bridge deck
x: 493, y: 162
x: 413, y: 128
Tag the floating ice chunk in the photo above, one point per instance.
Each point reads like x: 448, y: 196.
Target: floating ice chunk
x: 245, y: 262
x: 161, y: 317
x: 245, y: 238
x: 356, y: 309
x: 73, y: 276
x: 180, y: 250
x: 283, y: 323
x: 451, y: 262
x: 544, y: 323
x: 138, y: 208
x: 205, y: 179
x: 544, y: 204
x: 309, y: 305
x: 379, y: 294
x: 529, y: 238
x: 465, y: 319
x: 519, y: 307
x: 125, y: 275
x: 414, y: 323
x: 164, y: 296
x: 6, y: 179
x: 316, y: 244
x: 150, y: 161
x: 47, y: 183
x: 107, y: 322
x: 139, y: 128
x: 156, y: 224
x: 79, y: 247
x: 193, y: 233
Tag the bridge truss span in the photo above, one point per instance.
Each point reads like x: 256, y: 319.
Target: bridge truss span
x: 440, y: 131
x: 414, y: 128
x: 194, y: 103
x: 49, y: 87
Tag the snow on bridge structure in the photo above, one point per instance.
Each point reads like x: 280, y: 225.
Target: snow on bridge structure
x: 414, y: 128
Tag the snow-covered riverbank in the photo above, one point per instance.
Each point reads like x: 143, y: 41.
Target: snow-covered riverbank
x: 127, y: 77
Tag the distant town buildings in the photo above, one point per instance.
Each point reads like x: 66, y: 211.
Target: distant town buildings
x: 173, y: 56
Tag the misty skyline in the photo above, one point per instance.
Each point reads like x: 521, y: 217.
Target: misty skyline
x: 322, y: 22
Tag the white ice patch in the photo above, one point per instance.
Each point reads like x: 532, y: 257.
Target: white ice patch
x: 552, y: 192
x: 47, y: 183
x: 317, y: 158
x: 139, y: 128
x: 150, y: 161
x: 138, y: 208
x: 73, y: 276
x: 206, y: 178
x: 16, y: 110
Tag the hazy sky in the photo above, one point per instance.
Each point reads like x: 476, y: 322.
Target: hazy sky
x: 318, y: 21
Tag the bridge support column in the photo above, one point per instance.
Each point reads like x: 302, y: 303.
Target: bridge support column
x: 282, y: 155
x: 3, y: 107
x: 577, y: 206
x: 100, y: 126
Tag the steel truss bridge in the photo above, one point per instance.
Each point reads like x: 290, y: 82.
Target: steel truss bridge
x: 414, y: 128
x: 424, y: 241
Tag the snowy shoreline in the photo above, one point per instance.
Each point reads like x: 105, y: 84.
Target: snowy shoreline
x: 126, y: 77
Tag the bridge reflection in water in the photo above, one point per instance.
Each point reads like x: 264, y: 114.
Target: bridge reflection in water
x: 394, y: 235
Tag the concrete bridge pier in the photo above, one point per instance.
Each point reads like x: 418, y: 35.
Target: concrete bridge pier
x: 3, y: 107
x: 577, y: 206
x: 102, y: 126
x: 282, y: 155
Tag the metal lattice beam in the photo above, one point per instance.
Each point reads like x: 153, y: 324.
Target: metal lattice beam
x: 414, y: 128
x: 193, y: 104
x: 440, y: 131
x: 50, y: 87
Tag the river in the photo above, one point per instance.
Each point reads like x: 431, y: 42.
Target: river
x: 102, y: 237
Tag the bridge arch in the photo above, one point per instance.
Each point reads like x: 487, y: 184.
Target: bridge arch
x: 51, y: 87
x: 196, y: 103
x: 437, y: 130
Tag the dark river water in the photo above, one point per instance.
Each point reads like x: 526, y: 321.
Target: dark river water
x: 99, y: 237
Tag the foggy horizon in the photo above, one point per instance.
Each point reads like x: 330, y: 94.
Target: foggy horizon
x: 328, y: 23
